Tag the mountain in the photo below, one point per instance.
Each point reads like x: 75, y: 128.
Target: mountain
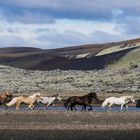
x: 114, y: 55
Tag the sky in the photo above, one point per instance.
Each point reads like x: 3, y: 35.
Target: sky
x: 49, y: 24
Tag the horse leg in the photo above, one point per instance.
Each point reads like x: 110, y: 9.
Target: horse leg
x: 126, y: 107
x: 17, y: 105
x: 72, y: 106
x: 48, y: 105
x: 83, y: 108
x: 90, y: 109
x: 68, y: 108
x: 122, y: 107
x: 31, y: 106
x: 6, y: 107
x: 110, y: 107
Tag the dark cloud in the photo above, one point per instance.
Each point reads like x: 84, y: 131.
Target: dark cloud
x: 73, y: 9
x: 89, y: 6
x: 25, y: 16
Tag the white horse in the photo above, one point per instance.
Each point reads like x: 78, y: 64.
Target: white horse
x: 123, y: 101
x: 48, y: 100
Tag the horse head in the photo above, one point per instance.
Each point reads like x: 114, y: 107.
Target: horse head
x: 36, y: 96
x: 128, y: 98
x: 57, y: 97
x: 93, y: 95
x: 9, y: 96
x: 131, y: 98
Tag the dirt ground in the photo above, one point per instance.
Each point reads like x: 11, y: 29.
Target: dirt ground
x: 67, y: 125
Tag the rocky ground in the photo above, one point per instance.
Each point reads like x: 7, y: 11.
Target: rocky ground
x: 102, y: 81
x: 58, y: 125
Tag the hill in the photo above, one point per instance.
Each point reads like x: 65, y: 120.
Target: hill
x: 85, y: 57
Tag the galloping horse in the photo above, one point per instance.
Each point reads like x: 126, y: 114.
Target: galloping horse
x: 48, y: 100
x: 81, y: 100
x: 5, y: 97
x: 123, y: 101
x: 30, y: 100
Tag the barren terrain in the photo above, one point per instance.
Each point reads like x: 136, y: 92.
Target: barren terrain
x: 69, y: 125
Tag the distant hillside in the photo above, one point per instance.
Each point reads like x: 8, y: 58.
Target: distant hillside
x: 84, y: 57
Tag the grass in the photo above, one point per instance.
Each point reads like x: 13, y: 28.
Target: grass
x: 131, y: 58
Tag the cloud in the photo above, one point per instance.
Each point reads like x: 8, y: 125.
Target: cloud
x: 67, y: 38
x: 79, y: 8
x: 25, y: 16
x: 62, y: 33
x: 9, y: 41
x: 74, y: 4
x: 61, y: 23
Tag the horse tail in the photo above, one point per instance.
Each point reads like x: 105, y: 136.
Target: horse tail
x: 12, y: 102
x: 105, y: 103
x: 66, y: 103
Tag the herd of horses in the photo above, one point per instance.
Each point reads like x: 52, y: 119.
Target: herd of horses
x: 85, y: 101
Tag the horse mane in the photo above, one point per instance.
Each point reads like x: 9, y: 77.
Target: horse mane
x: 55, y: 95
x: 89, y: 94
x: 36, y: 94
x: 126, y: 97
x: 8, y: 94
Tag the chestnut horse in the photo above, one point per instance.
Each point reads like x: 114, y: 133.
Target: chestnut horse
x: 30, y: 100
x: 5, y: 98
x: 81, y: 100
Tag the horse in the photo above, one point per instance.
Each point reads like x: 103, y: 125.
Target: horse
x: 48, y: 100
x: 5, y: 97
x: 123, y: 101
x: 30, y: 100
x: 81, y: 100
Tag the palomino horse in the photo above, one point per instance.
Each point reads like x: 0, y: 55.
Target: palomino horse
x: 49, y: 100
x: 30, y: 100
x: 123, y: 101
x: 5, y: 97
x: 81, y: 100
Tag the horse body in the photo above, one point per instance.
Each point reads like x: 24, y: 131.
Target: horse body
x: 80, y: 100
x: 49, y: 100
x: 123, y: 101
x: 30, y: 100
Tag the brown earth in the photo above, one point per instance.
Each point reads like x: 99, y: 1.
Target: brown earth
x: 68, y: 125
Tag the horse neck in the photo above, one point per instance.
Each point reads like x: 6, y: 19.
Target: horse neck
x: 32, y: 96
x: 89, y: 98
x: 52, y: 99
x: 125, y: 97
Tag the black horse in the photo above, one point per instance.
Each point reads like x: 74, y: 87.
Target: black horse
x: 81, y: 100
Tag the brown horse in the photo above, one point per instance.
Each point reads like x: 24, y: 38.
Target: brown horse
x: 81, y: 100
x: 5, y: 98
x: 30, y: 100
